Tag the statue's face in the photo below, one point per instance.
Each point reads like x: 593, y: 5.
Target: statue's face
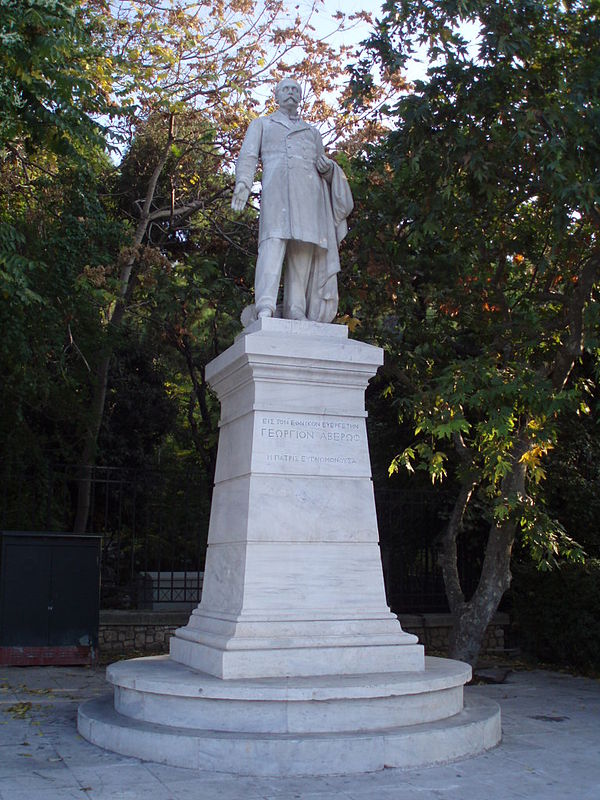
x: 288, y: 94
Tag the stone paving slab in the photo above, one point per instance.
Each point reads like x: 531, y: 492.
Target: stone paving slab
x: 550, y: 750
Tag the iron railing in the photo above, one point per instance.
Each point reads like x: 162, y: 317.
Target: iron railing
x: 153, y: 522
x: 411, y: 523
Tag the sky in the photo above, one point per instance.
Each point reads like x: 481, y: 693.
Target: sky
x: 416, y: 68
x: 327, y: 8
x: 348, y: 7
x: 358, y: 32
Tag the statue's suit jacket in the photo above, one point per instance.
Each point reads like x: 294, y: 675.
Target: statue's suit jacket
x: 292, y: 204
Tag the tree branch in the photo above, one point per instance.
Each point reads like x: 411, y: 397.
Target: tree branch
x: 449, y: 560
x: 572, y: 347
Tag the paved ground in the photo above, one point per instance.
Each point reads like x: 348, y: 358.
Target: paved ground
x: 550, y: 751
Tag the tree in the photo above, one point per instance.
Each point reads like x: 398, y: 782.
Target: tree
x: 54, y: 225
x: 51, y: 86
x: 480, y: 239
x: 51, y: 91
x: 190, y: 74
x: 63, y: 237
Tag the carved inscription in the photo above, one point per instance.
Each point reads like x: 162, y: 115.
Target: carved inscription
x: 311, y: 440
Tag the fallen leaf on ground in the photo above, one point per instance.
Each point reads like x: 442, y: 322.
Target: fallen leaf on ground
x: 19, y: 710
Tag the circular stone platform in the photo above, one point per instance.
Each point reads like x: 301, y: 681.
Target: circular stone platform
x: 166, y: 712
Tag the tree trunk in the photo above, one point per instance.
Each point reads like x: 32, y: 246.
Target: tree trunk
x: 88, y: 455
x: 198, y: 396
x: 471, y: 618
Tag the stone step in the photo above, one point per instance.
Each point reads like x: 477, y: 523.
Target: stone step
x: 159, y: 689
x: 475, y: 729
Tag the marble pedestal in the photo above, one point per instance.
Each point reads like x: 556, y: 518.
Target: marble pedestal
x: 293, y: 662
x: 293, y: 583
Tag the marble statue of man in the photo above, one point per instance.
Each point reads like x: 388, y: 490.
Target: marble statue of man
x: 305, y: 200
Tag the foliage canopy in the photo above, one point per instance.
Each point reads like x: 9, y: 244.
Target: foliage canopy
x: 481, y: 215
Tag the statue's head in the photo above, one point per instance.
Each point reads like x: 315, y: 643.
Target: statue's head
x: 288, y: 94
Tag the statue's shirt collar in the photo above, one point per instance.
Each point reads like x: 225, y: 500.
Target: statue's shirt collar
x: 291, y: 124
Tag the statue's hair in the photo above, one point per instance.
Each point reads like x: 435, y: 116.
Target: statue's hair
x: 283, y: 80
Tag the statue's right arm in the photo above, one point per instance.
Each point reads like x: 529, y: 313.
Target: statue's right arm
x: 246, y: 164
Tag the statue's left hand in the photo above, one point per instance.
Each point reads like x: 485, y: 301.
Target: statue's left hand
x: 324, y: 164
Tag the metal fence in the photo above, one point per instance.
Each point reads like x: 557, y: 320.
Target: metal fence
x: 154, y: 525
x: 153, y: 522
x: 410, y: 526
